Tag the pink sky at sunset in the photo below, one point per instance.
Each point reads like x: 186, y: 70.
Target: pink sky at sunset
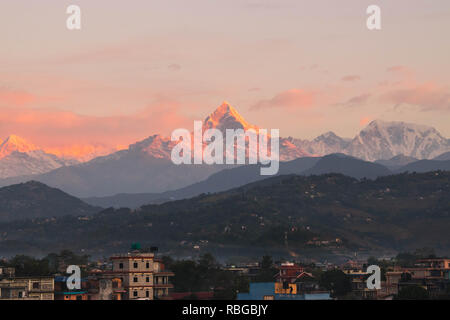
x: 144, y: 67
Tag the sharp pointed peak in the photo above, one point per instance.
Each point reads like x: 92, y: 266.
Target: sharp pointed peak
x: 15, y: 143
x: 14, y: 138
x: 226, y: 117
x: 225, y: 108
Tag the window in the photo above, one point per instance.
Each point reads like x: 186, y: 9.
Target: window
x: 20, y: 294
x: 147, y: 293
x: 135, y: 279
x: 147, y: 265
x: 147, y: 279
x: 35, y: 285
x: 135, y: 293
x: 121, y: 265
x: 79, y: 297
x: 135, y: 265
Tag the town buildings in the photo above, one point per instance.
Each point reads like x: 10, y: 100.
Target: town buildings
x: 137, y: 275
x: 431, y: 274
x: 291, y: 282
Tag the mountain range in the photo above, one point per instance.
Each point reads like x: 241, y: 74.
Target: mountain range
x: 146, y: 167
x: 382, y: 140
x: 19, y: 158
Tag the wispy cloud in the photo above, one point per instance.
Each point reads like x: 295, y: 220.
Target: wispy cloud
x: 428, y: 97
x: 65, y: 132
x: 16, y: 97
x: 351, y: 78
x: 174, y: 67
x: 356, y: 100
x: 290, y: 99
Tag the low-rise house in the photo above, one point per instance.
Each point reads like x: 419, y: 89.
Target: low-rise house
x: 62, y: 292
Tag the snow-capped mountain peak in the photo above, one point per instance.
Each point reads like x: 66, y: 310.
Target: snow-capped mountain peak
x: 156, y: 146
x: 15, y: 143
x: 385, y: 140
x: 226, y: 117
x: 19, y: 157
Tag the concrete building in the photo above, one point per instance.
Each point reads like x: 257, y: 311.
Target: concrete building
x: 63, y: 293
x: 143, y: 276
x: 103, y: 285
x: 27, y: 288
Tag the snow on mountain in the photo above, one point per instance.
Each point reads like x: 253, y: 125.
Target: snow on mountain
x: 146, y: 165
x: 14, y: 143
x: 385, y: 140
x: 324, y: 144
x: 227, y: 117
x: 19, y: 157
x: 224, y: 117
x: 381, y: 140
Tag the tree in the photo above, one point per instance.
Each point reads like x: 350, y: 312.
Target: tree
x: 413, y: 292
x: 336, y: 281
x: 267, y: 272
x: 266, y: 262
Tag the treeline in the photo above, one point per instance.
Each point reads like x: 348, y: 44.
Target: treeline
x: 205, y: 275
x: 46, y: 266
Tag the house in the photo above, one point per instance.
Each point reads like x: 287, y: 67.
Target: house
x: 104, y: 286
x: 62, y: 292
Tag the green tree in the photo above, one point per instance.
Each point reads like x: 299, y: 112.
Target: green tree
x: 336, y: 281
x: 413, y: 292
x: 267, y: 271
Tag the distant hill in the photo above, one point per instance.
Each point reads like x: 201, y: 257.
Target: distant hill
x: 241, y: 175
x: 396, y: 162
x: 221, y: 181
x: 346, y: 165
x: 444, y: 156
x: 292, y: 214
x: 425, y: 166
x: 36, y: 200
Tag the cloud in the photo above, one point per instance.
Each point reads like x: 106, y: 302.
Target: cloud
x: 398, y: 69
x: 402, y: 71
x: 174, y: 67
x: 67, y: 133
x: 290, y: 99
x: 427, y: 96
x: 351, y: 78
x: 357, y: 100
x: 364, y: 121
x: 16, y: 97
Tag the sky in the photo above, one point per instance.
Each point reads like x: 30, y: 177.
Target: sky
x: 142, y: 67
